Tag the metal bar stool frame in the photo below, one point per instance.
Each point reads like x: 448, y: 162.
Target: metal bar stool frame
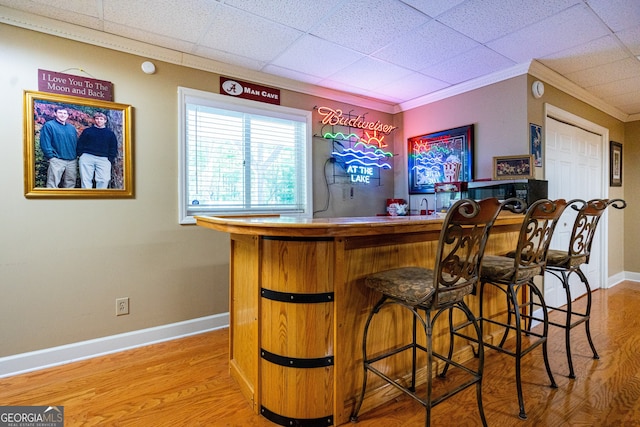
x: 460, y: 250
x: 563, y: 263
x: 513, y: 274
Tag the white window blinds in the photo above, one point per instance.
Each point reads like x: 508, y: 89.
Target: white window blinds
x: 241, y: 156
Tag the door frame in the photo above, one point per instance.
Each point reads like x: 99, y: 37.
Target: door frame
x: 572, y: 119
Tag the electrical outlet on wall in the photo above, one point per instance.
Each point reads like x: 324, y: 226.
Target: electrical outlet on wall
x: 122, y: 306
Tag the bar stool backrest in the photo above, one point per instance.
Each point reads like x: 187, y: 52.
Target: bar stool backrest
x: 535, y: 236
x: 584, y: 227
x: 461, y: 247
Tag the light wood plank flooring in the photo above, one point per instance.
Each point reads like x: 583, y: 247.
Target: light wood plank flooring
x: 186, y: 383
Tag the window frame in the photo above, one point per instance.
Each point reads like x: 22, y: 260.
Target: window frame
x: 238, y: 104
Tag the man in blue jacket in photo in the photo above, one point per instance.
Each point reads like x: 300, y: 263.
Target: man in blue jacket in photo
x: 58, y: 141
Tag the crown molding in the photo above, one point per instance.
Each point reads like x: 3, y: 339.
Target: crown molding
x: 551, y: 77
x: 467, y: 86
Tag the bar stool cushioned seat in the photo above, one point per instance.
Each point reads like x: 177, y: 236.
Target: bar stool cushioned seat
x: 434, y: 291
x: 415, y: 285
x: 502, y: 268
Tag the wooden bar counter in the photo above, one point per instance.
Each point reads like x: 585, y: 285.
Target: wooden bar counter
x: 298, y: 306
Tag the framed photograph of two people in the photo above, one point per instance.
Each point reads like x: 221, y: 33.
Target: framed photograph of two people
x: 76, y: 147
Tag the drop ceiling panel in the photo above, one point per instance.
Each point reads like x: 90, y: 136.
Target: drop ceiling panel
x: 149, y: 37
x: 619, y: 87
x: 248, y: 35
x: 369, y: 25
x: 163, y: 17
x: 427, y: 45
x: 407, y: 87
x: 433, y: 8
x: 369, y: 73
x: 229, y: 58
x: 321, y: 57
x: 300, y: 14
x: 631, y: 39
x: 565, y: 30
x: 617, y: 14
x: 611, y: 72
x: 77, y: 12
x: 582, y: 57
x: 469, y: 65
x: 292, y: 74
x: 489, y: 20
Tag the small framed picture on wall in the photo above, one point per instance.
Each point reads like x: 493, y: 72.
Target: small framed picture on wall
x: 615, y: 164
x: 535, y: 137
x: 513, y: 167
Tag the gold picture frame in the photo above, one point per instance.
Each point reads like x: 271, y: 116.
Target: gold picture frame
x: 513, y: 167
x: 39, y: 108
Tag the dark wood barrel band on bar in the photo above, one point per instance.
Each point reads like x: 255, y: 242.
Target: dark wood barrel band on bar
x: 297, y: 297
x: 296, y: 362
x: 304, y: 422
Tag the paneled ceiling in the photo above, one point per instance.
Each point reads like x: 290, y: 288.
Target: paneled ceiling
x: 399, y: 52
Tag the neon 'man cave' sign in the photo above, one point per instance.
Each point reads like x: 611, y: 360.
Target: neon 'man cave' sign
x: 363, y: 155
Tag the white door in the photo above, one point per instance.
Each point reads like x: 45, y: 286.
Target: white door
x: 574, y: 158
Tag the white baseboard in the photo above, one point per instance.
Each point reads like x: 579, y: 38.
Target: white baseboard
x: 627, y: 275
x: 48, y: 357
x: 616, y: 278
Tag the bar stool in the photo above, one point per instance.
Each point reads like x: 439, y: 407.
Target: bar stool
x: 563, y: 263
x: 512, y: 274
x: 460, y: 249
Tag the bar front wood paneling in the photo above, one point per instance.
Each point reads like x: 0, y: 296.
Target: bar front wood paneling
x: 298, y: 307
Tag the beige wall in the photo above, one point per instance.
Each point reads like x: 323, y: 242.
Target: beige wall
x: 631, y: 186
x: 64, y: 262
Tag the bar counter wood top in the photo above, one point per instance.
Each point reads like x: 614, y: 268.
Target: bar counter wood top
x: 269, y: 225
x: 298, y: 304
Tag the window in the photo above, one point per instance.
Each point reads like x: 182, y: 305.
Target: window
x: 242, y: 157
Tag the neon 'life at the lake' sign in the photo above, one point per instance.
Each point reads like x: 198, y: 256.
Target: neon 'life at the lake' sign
x: 360, y: 155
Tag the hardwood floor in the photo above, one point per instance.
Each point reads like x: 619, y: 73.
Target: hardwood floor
x: 186, y: 383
